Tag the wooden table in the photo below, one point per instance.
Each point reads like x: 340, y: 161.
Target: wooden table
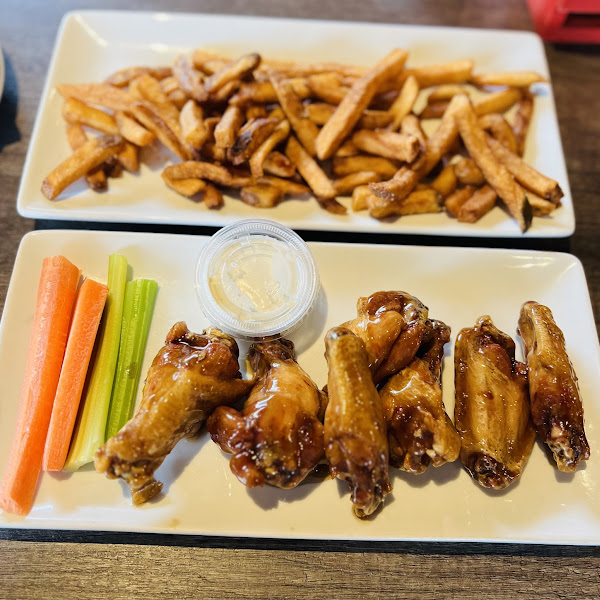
x: 71, y: 565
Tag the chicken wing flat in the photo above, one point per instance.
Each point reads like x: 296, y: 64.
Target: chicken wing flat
x: 492, y: 405
x: 392, y: 326
x: 420, y: 432
x: 190, y: 376
x: 556, y: 407
x: 356, y: 443
x: 278, y: 436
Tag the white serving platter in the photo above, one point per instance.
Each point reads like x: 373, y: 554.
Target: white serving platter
x: 93, y: 44
x: 201, y: 495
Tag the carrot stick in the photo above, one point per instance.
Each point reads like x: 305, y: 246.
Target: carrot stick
x: 55, y: 299
x: 80, y: 343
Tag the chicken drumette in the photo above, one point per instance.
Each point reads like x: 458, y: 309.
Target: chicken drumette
x: 420, y: 432
x: 278, y: 436
x: 190, y: 376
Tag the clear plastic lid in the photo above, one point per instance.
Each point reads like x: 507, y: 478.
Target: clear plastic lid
x: 256, y: 278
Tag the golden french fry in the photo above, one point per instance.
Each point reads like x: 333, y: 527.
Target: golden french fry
x: 281, y: 131
x: 249, y: 138
x: 525, y: 174
x: 456, y: 199
x: 360, y: 196
x: 478, y: 205
x: 286, y: 186
x: 539, y: 206
x: 434, y: 109
x: 195, y: 169
x: 227, y: 127
x: 319, y: 112
x: 261, y: 195
x: 447, y: 91
x: 124, y: 76
x: 453, y: 72
x: 152, y: 93
x: 509, y: 78
x: 374, y: 119
x: 212, y: 197
x: 393, y: 190
x: 200, y: 56
x: 327, y: 87
x: 403, y: 104
x: 98, y: 94
x: 522, y: 120
x: 193, y: 129
x: 132, y: 131
x: 76, y: 111
x: 344, y: 185
x: 353, y: 164
x: 190, y: 80
x: 129, y: 157
x: 500, y: 130
x: 169, y: 84
x: 388, y: 144
x: 231, y: 72
x: 445, y: 183
x: 412, y: 126
x: 496, y: 102
x: 210, y: 67
x: 347, y: 149
x: 467, y: 172
x: 256, y: 111
x: 494, y: 172
x: 185, y: 187
x: 311, y: 172
x: 290, y: 69
x: 92, y: 154
x: 223, y: 94
x: 355, y: 102
x: 95, y: 178
x: 278, y: 164
x: 420, y: 201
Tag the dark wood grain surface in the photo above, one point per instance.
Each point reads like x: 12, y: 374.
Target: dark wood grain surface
x: 95, y: 565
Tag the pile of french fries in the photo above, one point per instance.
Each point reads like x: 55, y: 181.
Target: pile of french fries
x: 272, y: 129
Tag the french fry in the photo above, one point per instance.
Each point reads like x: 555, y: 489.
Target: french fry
x: 276, y: 113
x: 132, y: 131
x: 456, y: 199
x: 223, y: 94
x: 123, y: 77
x: 522, y: 120
x: 347, y: 149
x: 231, y: 72
x: 434, y: 109
x: 256, y: 111
x: 129, y: 157
x: 374, y: 119
x: 190, y: 80
x: 160, y: 103
x: 311, y: 172
x: 192, y: 125
x: 393, y: 190
x: 453, y: 72
x: 291, y: 69
x: 447, y: 91
x: 355, y: 102
x: 169, y: 84
x: 185, y: 187
x: 360, y: 196
x: 421, y: 201
x: 194, y: 169
x: 280, y: 133
x: 286, y: 186
x: 319, y: 112
x: 95, y: 178
x: 210, y: 67
x: 445, y: 183
x: 353, y: 164
x: 404, y: 103
x: 344, y: 185
x: 92, y: 154
x: 76, y: 111
x: 327, y: 87
x: 212, y: 197
x: 278, y: 164
x: 525, y: 174
x: 261, y: 195
x: 249, y: 138
x: 228, y: 126
x: 500, y: 130
x: 509, y: 78
x: 467, y: 172
x: 497, y: 102
x: 412, y: 126
x: 478, y: 205
x: 494, y: 172
x: 539, y: 206
x: 388, y: 144
x: 290, y: 102
x: 98, y: 94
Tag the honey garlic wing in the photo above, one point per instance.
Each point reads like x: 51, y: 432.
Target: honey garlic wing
x: 190, y: 376
x: 278, y: 436
x: 356, y: 444
x: 392, y: 325
x: 492, y: 405
x: 556, y: 407
x: 420, y: 432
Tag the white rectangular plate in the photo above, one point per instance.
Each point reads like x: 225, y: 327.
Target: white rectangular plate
x: 93, y: 44
x: 202, y: 496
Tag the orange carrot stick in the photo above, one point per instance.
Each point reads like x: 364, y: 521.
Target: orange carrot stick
x: 55, y: 299
x: 84, y: 327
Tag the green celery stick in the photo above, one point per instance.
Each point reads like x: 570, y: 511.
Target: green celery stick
x: 91, y: 421
x: 140, y: 295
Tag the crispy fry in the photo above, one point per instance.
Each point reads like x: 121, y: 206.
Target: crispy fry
x: 539, y: 206
x: 98, y: 94
x: 292, y: 69
x: 447, y: 91
x: 228, y: 127
x: 319, y: 112
x: 509, y: 78
x: 388, y: 144
x: 124, y: 76
x: 360, y: 198
x: 129, y: 157
x: 185, y: 187
x: 344, y: 185
x: 169, y: 84
x: 132, y: 131
x: 456, y: 199
x: 327, y: 87
x: 190, y: 80
x: 525, y: 174
x: 394, y: 190
x: 412, y: 126
x: 231, y: 72
x: 290, y: 102
x: 445, y: 183
x: 93, y: 153
x: 434, y: 109
x: 331, y: 205
x: 500, y: 130
x: 478, y: 205
x: 347, y: 149
x: 354, y: 103
x: 417, y: 202
x: 403, y: 104
x: 256, y: 111
x: 159, y: 102
x: 95, y: 178
x: 494, y: 172
x: 286, y: 186
x: 210, y: 67
x: 193, y: 129
x: 453, y: 72
x: 281, y: 131
x: 261, y: 195
x: 212, y: 197
x: 76, y: 111
x: 311, y: 172
x: 276, y: 113
x: 522, y: 120
x: 374, y: 119
x: 194, y: 169
x: 223, y: 94
x: 353, y: 164
x: 496, y: 102
x: 467, y: 172
x: 279, y: 164
x: 249, y: 138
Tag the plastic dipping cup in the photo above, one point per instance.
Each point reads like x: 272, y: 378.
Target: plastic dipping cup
x: 256, y: 279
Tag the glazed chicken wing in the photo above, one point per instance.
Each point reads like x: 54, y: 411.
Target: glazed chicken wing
x: 392, y: 326
x: 492, y: 405
x: 356, y: 444
x: 554, y: 394
x: 278, y: 436
x: 190, y: 376
x: 420, y: 432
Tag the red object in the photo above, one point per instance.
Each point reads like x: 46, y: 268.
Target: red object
x: 570, y: 21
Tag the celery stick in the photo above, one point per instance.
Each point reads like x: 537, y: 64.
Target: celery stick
x: 140, y: 295
x: 91, y: 421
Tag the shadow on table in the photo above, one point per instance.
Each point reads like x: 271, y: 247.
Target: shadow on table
x: 9, y: 134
